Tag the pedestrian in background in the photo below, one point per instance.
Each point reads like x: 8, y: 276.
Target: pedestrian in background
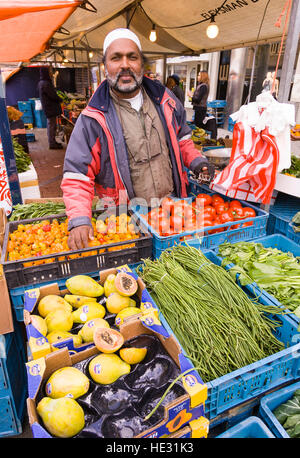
x: 177, y: 89
x: 199, y: 102
x: 50, y: 103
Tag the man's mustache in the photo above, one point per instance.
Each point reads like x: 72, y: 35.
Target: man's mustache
x: 126, y: 73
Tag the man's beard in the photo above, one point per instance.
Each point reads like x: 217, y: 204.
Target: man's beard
x: 128, y: 88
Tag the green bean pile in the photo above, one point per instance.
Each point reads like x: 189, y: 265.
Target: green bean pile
x: 36, y: 210
x: 23, y: 159
x: 220, y: 328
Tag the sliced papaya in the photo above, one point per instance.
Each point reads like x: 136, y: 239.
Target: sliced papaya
x: 108, y: 340
x: 125, y: 284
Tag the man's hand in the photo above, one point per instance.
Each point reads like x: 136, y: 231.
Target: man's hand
x: 205, y: 171
x: 79, y: 237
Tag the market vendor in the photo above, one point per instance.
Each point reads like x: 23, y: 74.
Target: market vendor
x: 131, y: 141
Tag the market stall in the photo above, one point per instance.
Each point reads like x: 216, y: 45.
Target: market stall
x: 176, y: 321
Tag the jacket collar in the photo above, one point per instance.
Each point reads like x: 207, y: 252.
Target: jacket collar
x: 100, y: 100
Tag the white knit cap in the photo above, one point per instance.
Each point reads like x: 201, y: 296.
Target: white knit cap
x: 120, y: 33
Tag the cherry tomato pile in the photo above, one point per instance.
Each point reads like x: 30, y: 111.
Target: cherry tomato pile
x: 176, y: 216
x: 45, y: 237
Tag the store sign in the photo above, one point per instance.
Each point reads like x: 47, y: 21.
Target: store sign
x: 230, y: 6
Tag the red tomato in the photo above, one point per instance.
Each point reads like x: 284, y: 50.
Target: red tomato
x: 162, y: 213
x: 189, y: 226
x: 210, y: 211
x: 176, y: 222
x: 184, y: 210
x: 47, y: 228
x: 248, y: 212
x: 235, y: 203
x: 250, y: 223
x: 167, y: 204
x: 238, y: 212
x: 217, y: 199
x: 216, y: 223
x: 168, y: 233
x: 221, y: 208
x: 164, y: 225
x: 153, y: 215
x: 208, y: 222
x: 203, y: 199
x: 226, y: 216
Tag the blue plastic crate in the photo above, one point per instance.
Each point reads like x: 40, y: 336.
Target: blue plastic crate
x: 250, y: 382
x: 201, y: 239
x: 30, y: 137
x: 269, y: 403
x: 231, y: 124
x: 25, y: 107
x: 207, y: 148
x: 217, y: 104
x: 284, y: 244
x: 40, y: 119
x: 281, y: 214
x: 251, y: 428
x: 27, y: 119
x: 291, y: 234
x: 13, y: 382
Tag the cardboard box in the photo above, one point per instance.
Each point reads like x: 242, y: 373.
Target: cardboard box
x: 38, y: 344
x: 187, y: 409
x: 6, y: 321
x: 196, y: 429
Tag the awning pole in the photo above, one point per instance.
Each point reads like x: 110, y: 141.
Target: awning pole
x: 8, y: 150
x: 290, y: 51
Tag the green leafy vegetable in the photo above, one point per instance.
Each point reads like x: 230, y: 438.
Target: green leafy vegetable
x: 276, y: 272
x: 23, y: 159
x: 296, y: 222
x: 294, y: 169
x: 288, y: 415
x: 36, y: 210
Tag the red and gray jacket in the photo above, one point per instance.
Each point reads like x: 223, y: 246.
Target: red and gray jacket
x: 97, y: 160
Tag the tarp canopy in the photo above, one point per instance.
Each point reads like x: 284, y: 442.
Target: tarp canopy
x: 239, y: 24
x: 26, y: 26
x: 180, y: 25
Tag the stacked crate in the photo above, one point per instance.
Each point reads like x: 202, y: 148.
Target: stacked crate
x: 13, y: 382
x: 26, y: 108
x: 216, y: 108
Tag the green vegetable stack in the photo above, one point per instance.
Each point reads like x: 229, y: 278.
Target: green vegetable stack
x: 36, y: 210
x: 276, y: 272
x: 216, y: 323
x: 296, y: 222
x: 23, y: 160
x: 294, y: 170
x: 288, y: 415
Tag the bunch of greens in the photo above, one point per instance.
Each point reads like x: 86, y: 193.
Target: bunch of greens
x: 294, y: 169
x: 220, y: 328
x: 288, y: 415
x: 273, y: 270
x: 296, y: 222
x: 23, y: 159
x: 36, y: 210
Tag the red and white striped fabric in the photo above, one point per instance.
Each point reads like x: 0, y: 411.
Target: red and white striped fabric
x: 254, y: 162
x: 5, y: 195
x: 242, y: 192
